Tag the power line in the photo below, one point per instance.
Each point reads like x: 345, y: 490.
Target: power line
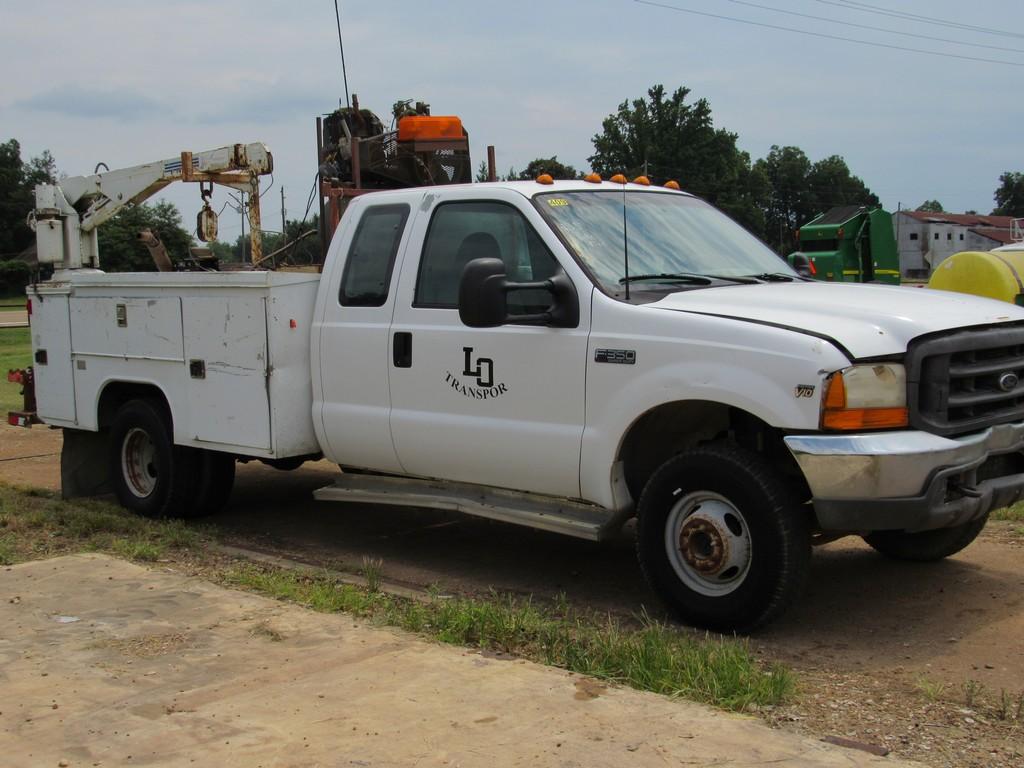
x: 850, y: 5
x: 875, y: 29
x: 808, y: 33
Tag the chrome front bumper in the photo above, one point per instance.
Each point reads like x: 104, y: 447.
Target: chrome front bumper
x: 908, y: 480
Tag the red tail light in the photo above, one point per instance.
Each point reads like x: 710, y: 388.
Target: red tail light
x: 814, y: 269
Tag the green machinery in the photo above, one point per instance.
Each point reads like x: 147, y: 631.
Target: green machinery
x: 851, y: 244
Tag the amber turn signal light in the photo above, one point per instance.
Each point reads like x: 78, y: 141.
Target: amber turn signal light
x: 836, y: 415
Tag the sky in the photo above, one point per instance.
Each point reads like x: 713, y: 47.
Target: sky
x: 132, y: 82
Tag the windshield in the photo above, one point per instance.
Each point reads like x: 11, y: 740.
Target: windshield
x: 669, y: 234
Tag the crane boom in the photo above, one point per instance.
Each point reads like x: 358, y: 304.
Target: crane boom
x: 68, y: 212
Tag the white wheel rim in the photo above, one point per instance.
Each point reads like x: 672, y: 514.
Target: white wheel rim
x: 138, y: 462
x: 708, y: 543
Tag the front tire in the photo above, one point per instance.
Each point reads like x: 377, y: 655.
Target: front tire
x: 926, y: 546
x: 151, y: 476
x: 721, y: 538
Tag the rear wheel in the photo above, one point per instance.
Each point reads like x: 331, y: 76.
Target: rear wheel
x: 721, y: 539
x: 216, y: 479
x: 926, y: 546
x: 151, y: 475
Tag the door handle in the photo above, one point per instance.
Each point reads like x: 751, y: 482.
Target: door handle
x: 401, y: 349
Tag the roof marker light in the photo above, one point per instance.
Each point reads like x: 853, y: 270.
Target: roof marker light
x: 593, y: 178
x: 618, y: 178
x: 673, y: 184
x: 545, y: 178
x: 642, y: 180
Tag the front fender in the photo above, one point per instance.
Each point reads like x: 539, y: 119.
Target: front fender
x: 771, y: 373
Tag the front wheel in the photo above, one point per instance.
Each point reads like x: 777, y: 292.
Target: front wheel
x: 721, y: 539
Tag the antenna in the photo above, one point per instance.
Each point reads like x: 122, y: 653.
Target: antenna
x: 341, y: 47
x: 625, y: 241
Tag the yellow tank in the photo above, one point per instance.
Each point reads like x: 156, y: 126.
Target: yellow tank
x: 982, y: 273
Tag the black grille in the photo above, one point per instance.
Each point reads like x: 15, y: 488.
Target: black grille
x: 967, y: 380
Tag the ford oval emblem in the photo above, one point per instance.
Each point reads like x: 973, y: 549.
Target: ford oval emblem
x: 1008, y: 381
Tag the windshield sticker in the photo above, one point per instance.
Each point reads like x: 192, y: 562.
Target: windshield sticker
x: 481, y: 374
x: 557, y: 202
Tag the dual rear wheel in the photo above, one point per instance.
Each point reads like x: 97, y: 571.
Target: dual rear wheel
x: 156, y: 478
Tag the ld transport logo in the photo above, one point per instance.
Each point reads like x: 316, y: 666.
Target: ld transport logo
x: 477, y: 379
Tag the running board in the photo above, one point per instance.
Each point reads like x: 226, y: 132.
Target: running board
x: 573, y: 518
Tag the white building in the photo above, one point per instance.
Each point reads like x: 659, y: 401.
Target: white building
x: 925, y: 238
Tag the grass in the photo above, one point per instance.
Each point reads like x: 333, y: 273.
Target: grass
x: 1014, y: 514
x: 931, y: 689
x: 645, y: 654
x: 651, y: 657
x: 36, y: 524
x: 15, y: 352
x: 12, y: 302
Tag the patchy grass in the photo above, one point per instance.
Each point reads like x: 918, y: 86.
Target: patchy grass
x: 647, y: 655
x: 12, y: 302
x: 932, y: 690
x: 15, y: 352
x: 1014, y: 514
x: 35, y: 524
x: 652, y: 657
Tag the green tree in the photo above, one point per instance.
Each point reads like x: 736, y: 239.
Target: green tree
x: 549, y: 165
x: 1009, y: 195
x: 665, y: 137
x: 789, y: 199
x: 799, y: 190
x: 17, y: 194
x: 14, y: 276
x: 831, y: 184
x: 931, y: 206
x: 301, y: 249
x: 481, y: 171
x: 120, y: 250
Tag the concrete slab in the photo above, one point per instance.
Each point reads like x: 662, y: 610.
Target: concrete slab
x: 107, y: 663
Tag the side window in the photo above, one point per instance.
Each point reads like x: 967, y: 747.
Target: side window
x: 371, y: 257
x: 461, y: 232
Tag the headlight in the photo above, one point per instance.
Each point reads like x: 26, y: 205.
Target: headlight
x: 870, y: 396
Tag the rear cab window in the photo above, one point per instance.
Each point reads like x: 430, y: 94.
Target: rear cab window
x: 371, y: 256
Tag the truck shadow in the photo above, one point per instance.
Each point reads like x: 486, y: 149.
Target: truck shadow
x: 860, y: 609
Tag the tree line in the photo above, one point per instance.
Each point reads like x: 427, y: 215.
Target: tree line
x: 660, y: 135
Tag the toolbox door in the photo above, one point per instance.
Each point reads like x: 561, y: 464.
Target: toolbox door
x: 226, y: 370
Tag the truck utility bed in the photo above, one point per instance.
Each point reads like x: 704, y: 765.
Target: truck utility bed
x: 229, y: 350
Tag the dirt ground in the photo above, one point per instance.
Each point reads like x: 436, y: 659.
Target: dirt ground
x: 107, y: 663
x: 924, y: 659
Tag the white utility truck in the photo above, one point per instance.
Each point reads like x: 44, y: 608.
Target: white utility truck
x: 563, y: 355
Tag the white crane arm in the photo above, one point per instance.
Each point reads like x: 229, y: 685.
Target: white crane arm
x: 68, y: 212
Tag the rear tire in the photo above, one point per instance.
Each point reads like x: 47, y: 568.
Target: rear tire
x: 216, y: 479
x: 151, y: 476
x: 722, y: 539
x: 926, y: 546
